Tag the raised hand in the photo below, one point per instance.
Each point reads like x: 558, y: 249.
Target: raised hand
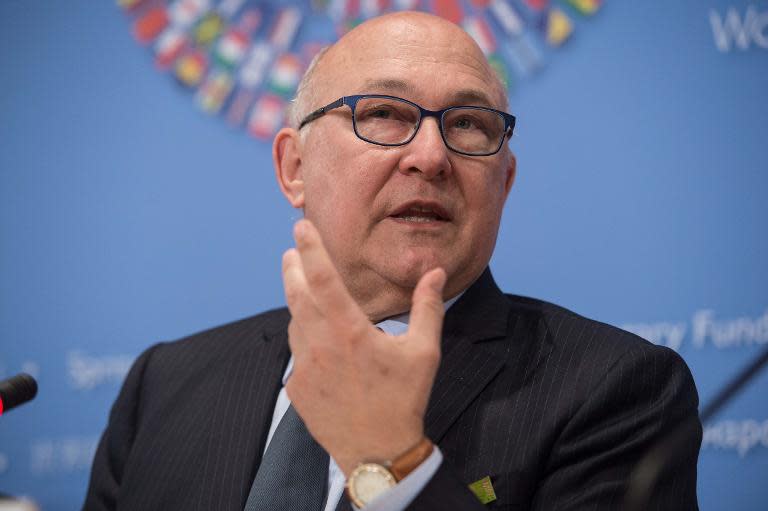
x: 361, y: 393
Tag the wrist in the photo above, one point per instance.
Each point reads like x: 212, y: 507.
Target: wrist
x: 372, y: 478
x: 377, y: 450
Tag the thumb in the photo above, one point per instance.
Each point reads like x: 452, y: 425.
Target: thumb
x: 427, y: 309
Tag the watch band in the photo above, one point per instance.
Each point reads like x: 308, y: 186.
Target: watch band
x: 410, y: 459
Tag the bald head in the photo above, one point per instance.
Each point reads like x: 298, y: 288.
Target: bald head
x: 360, y: 194
x: 402, y: 38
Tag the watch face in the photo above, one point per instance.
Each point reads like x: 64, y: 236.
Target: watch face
x: 368, y: 481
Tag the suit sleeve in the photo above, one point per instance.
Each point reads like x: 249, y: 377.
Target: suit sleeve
x: 642, y: 399
x: 116, y: 441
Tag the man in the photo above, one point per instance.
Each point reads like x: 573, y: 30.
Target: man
x: 397, y: 156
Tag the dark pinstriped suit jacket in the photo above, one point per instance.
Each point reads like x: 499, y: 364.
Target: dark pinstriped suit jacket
x: 555, y: 408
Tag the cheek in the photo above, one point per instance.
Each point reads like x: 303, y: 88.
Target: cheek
x: 485, y: 203
x: 484, y: 196
x: 339, y: 198
x: 323, y: 180
x: 343, y: 181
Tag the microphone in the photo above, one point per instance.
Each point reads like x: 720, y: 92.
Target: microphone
x: 16, y: 391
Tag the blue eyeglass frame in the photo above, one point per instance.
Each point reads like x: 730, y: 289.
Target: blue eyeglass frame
x: 351, y: 101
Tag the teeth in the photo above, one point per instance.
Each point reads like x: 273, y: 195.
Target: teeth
x: 420, y: 214
x: 418, y: 218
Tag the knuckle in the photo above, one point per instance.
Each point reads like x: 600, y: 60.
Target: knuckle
x: 316, y: 355
x: 321, y: 277
x: 293, y: 329
x: 432, y: 304
x: 314, y: 352
x: 436, y: 304
x: 292, y: 294
x: 298, y: 378
x: 356, y: 334
x: 429, y: 354
x: 290, y: 388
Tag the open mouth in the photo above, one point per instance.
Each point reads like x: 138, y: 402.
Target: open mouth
x: 421, y: 212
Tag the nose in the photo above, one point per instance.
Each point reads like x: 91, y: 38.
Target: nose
x: 426, y: 155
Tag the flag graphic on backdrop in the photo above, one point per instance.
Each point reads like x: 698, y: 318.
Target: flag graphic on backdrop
x: 243, y: 59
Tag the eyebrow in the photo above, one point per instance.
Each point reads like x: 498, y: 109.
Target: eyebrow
x: 389, y: 84
x: 473, y: 96
x: 461, y: 97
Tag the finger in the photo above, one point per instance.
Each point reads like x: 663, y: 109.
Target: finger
x: 331, y: 296
x: 427, y: 309
x: 297, y: 294
x: 299, y: 343
x: 295, y: 339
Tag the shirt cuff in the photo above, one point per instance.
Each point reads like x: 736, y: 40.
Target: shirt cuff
x: 402, y: 494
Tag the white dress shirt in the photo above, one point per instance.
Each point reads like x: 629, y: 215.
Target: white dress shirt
x: 402, y: 494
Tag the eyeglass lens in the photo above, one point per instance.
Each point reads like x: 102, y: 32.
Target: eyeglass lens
x: 391, y: 121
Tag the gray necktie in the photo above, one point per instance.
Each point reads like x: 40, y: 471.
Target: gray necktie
x: 293, y: 475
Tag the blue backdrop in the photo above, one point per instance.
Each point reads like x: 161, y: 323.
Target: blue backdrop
x: 128, y: 216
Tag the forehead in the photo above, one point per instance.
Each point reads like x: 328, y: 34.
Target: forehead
x: 427, y: 60
x: 460, y: 94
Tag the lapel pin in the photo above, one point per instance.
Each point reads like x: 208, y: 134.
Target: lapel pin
x: 483, y: 490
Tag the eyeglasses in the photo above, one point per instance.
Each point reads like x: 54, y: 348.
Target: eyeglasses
x: 391, y: 121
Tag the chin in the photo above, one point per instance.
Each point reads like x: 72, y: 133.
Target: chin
x: 407, y: 269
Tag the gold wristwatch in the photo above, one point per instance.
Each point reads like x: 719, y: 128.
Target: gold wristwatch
x: 371, y: 479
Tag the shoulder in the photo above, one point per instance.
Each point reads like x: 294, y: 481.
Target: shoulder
x: 600, y: 398
x: 229, y: 335
x: 205, y: 353
x: 599, y: 372
x: 577, y: 342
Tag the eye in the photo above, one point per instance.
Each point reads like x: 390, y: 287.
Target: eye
x: 379, y: 113
x: 468, y: 122
x: 376, y: 112
x: 464, y: 124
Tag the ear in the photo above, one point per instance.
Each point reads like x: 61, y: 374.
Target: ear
x: 511, y: 171
x: 286, y: 157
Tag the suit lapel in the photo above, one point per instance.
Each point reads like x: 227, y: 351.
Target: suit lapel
x: 275, y: 353
x: 252, y: 377
x: 476, y: 345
